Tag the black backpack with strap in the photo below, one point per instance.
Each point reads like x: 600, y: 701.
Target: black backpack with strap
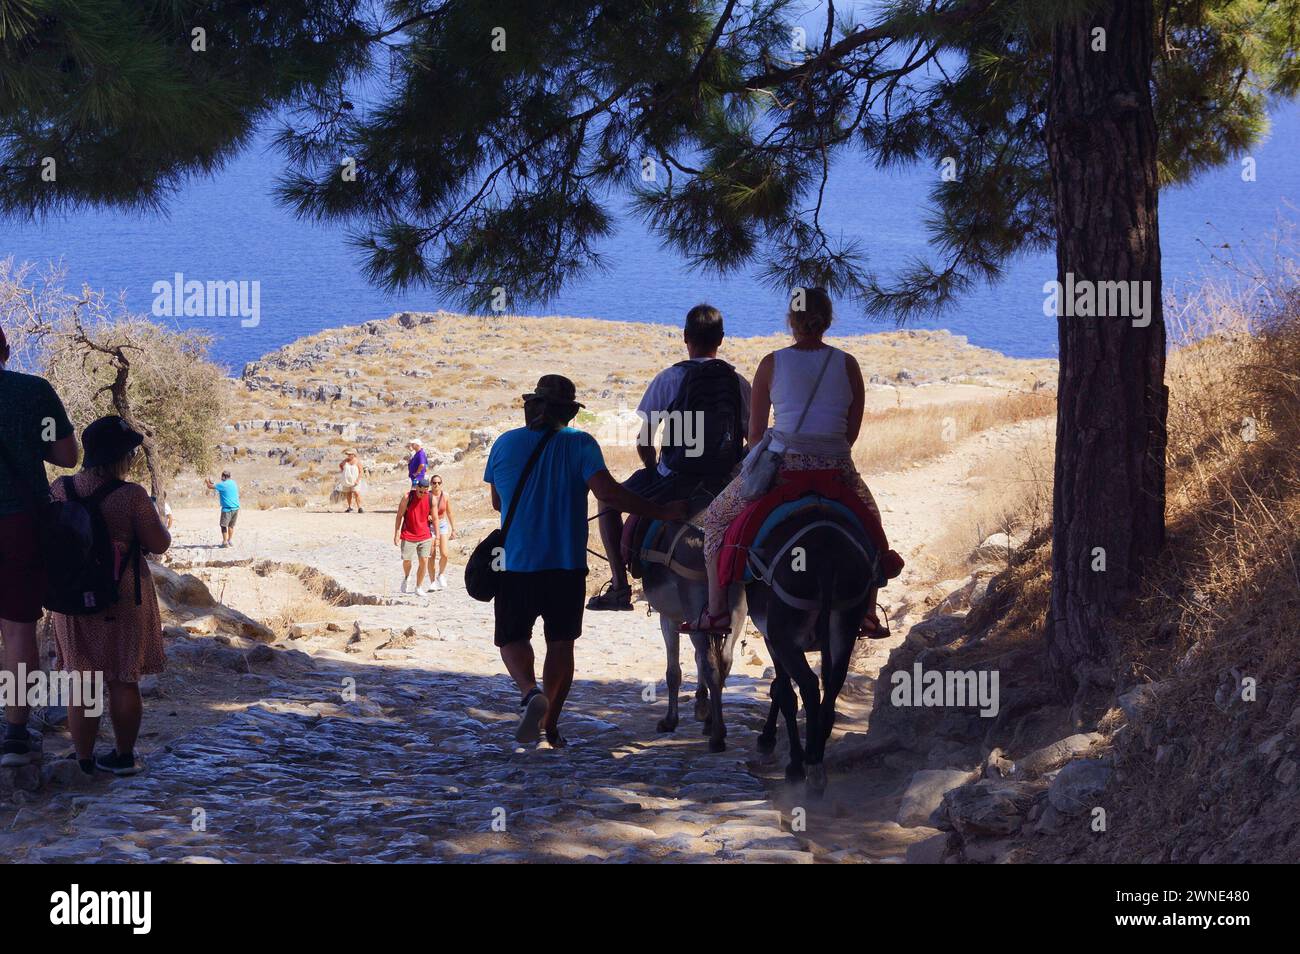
x: 710, y: 397
x: 81, y: 570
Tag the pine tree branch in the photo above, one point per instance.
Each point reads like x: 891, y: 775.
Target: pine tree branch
x: 826, y: 61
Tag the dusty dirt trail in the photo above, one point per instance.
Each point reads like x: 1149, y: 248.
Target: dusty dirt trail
x: 420, y: 764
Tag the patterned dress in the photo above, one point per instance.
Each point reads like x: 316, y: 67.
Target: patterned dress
x: 125, y: 642
x: 727, y: 506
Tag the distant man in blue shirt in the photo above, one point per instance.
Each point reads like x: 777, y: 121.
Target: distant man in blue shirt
x: 228, y: 496
x: 545, y: 559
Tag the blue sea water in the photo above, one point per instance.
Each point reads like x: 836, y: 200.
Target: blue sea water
x: 230, y: 228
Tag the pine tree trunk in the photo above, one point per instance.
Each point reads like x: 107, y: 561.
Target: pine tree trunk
x: 1109, y: 498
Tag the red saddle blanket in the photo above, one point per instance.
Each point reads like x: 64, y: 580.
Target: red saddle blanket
x: 792, y: 485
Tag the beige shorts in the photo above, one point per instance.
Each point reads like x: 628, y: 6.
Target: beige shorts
x: 411, y: 549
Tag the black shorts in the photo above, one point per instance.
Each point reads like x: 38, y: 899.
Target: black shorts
x: 557, y: 596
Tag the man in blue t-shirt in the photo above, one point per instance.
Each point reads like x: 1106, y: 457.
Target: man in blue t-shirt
x: 228, y: 496
x: 545, y: 560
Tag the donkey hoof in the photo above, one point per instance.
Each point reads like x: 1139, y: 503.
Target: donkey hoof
x: 766, y: 744
x: 794, y: 772
x: 717, y: 745
x: 701, y: 710
x: 667, y: 725
x: 817, y: 778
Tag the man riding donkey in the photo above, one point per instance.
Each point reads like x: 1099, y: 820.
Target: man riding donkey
x: 703, y: 404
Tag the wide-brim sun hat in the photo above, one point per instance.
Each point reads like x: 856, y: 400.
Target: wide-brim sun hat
x: 107, y: 440
x: 554, y: 389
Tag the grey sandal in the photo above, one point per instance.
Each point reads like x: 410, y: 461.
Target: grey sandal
x: 534, y: 711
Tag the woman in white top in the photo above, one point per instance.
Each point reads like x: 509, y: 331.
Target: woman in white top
x: 351, y: 480
x: 819, y: 439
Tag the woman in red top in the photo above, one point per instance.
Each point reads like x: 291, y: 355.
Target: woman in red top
x: 413, y: 532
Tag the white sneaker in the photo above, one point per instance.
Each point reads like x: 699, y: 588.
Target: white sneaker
x: 442, y: 581
x: 406, y: 585
x: 429, y: 588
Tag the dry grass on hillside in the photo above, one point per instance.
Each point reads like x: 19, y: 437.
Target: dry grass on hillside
x: 1015, y: 498
x: 1211, y: 768
x: 898, y: 437
x: 1222, y: 606
x: 299, y: 597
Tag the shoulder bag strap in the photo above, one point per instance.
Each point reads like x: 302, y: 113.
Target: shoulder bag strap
x: 523, y: 479
x: 96, y: 499
x: 830, y: 352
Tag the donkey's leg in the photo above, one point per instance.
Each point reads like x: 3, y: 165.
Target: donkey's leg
x: 672, y: 643
x: 785, y: 701
x: 835, y: 669
x: 703, y: 706
x: 708, y: 702
x: 708, y: 655
x: 702, y: 697
x: 766, y: 742
x: 725, y: 647
x: 789, y: 704
x: 739, y: 615
x: 794, y: 662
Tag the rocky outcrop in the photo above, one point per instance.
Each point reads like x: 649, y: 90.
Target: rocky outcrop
x: 925, y: 793
x: 987, y: 807
x: 346, y: 429
x: 996, y: 547
x: 1078, y: 786
x: 480, y: 439
x: 1052, y: 757
x: 186, y: 602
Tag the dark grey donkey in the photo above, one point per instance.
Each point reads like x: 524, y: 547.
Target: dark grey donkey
x: 818, y: 579
x: 676, y: 589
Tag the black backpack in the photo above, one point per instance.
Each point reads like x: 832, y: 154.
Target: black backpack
x: 81, y: 575
x: 710, y: 393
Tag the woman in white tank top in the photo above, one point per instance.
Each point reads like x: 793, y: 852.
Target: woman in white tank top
x: 820, y: 438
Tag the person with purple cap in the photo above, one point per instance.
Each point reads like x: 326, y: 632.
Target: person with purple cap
x: 417, y: 465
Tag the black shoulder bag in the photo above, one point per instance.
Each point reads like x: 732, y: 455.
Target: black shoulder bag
x: 481, y: 579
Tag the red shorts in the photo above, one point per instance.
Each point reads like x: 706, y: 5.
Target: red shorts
x: 22, y: 575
